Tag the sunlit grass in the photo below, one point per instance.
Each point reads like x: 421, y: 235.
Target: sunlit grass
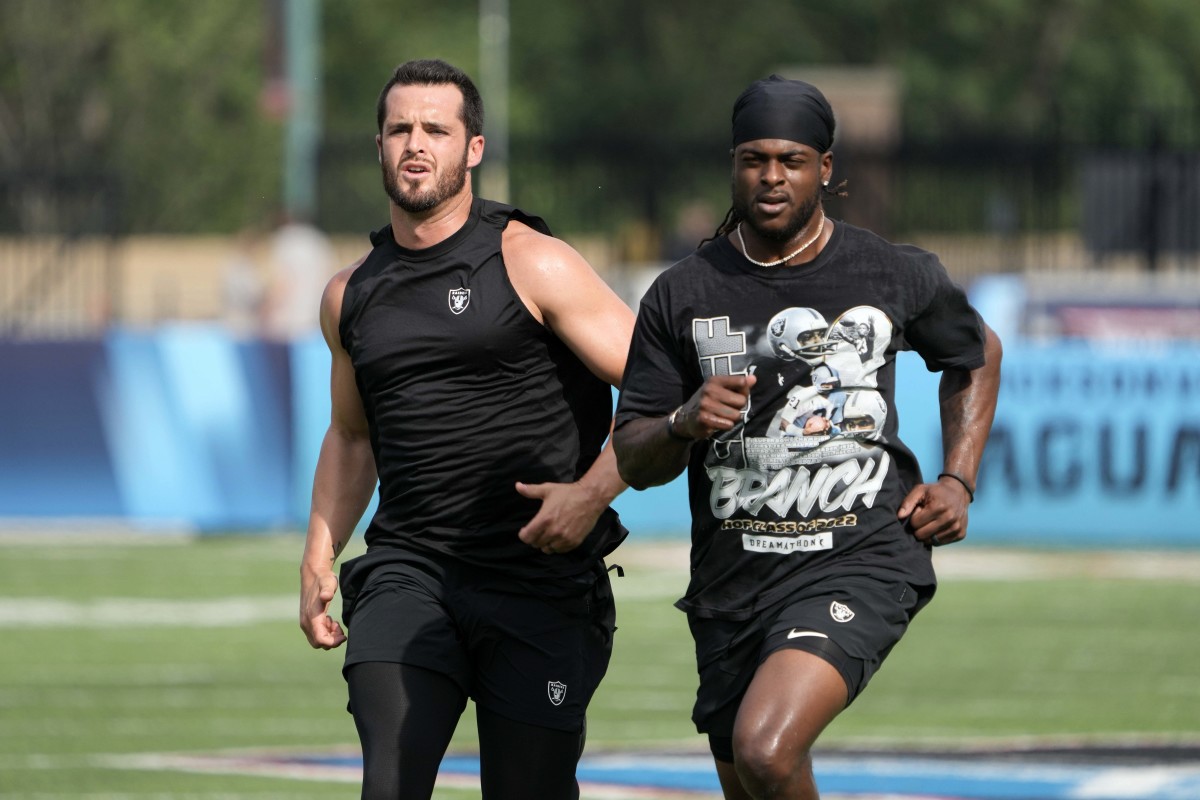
x: 1060, y: 657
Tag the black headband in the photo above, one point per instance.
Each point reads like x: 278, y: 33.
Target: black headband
x: 778, y: 108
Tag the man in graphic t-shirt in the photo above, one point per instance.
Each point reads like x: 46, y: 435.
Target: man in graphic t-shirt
x: 764, y: 363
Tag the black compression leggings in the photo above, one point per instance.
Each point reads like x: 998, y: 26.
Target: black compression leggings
x: 405, y: 717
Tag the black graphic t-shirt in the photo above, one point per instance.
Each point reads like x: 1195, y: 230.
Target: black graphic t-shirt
x: 466, y: 393
x: 808, y: 484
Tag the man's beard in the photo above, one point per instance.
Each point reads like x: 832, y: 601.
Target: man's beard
x: 801, y: 217
x: 449, y: 184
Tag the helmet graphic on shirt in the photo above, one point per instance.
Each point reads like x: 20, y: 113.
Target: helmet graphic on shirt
x: 862, y: 414
x: 798, y: 333
x: 825, y: 378
x: 864, y: 330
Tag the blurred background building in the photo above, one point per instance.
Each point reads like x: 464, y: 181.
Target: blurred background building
x: 1048, y: 152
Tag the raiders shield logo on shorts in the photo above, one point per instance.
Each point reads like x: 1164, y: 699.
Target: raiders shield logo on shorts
x: 557, y: 692
x: 840, y: 612
x: 460, y: 298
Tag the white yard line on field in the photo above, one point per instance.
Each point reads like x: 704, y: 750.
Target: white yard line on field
x: 47, y: 612
x: 652, y: 569
x: 984, y: 563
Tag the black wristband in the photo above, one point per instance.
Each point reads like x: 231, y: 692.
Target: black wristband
x: 963, y: 481
x: 674, y: 434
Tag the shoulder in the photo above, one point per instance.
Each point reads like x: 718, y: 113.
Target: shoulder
x: 502, y: 215
x: 539, y: 256
x: 560, y: 289
x: 337, y: 284
x: 549, y: 275
x: 697, y: 273
x: 334, y: 295
x: 911, y: 271
x: 862, y: 241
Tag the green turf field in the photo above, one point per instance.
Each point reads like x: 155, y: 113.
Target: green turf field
x: 117, y: 646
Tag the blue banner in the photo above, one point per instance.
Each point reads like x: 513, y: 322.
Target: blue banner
x: 1092, y: 445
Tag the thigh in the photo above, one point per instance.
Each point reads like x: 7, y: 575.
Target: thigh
x: 518, y: 761
x: 405, y: 617
x: 853, y: 623
x: 405, y: 717
x: 793, y: 696
x: 538, y: 660
x: 861, y: 616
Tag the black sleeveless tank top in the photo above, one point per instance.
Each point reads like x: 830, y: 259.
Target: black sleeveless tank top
x: 466, y: 393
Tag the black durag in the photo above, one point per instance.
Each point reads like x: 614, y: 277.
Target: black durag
x: 779, y: 108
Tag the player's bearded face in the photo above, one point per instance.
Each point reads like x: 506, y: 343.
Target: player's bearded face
x: 743, y: 204
x: 416, y: 200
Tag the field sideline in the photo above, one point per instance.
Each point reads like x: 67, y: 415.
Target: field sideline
x: 121, y: 647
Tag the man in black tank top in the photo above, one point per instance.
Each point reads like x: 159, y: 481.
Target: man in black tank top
x: 473, y: 356
x: 764, y: 363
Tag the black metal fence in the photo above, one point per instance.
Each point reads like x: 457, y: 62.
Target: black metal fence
x: 1119, y: 192
x: 58, y: 272
x: 1114, y: 191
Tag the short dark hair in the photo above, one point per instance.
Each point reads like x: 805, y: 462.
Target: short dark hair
x: 435, y: 72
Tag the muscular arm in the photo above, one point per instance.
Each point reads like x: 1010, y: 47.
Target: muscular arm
x: 647, y: 452
x: 562, y: 291
x: 968, y: 406
x: 647, y: 455
x: 345, y: 478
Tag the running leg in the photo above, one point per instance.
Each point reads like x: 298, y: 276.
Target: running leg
x: 405, y: 717
x: 793, y: 696
x: 518, y: 761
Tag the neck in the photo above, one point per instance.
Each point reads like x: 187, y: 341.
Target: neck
x: 801, y: 248
x: 425, y: 229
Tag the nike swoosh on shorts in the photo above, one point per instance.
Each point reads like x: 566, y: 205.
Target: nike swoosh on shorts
x: 795, y: 634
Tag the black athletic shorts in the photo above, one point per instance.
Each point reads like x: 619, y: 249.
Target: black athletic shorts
x: 864, y: 617
x: 532, y: 654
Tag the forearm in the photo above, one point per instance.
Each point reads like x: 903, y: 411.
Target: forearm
x: 602, y: 481
x: 344, y: 482
x: 968, y: 406
x: 647, y: 455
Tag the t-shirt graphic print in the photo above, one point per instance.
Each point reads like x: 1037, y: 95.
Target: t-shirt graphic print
x: 819, y: 454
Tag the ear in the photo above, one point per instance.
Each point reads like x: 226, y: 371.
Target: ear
x: 379, y: 147
x: 474, y: 151
x: 826, y: 167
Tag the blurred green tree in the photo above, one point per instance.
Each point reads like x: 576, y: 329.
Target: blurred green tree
x: 619, y: 108
x: 165, y: 96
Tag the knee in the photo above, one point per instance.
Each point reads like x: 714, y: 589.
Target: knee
x: 768, y: 766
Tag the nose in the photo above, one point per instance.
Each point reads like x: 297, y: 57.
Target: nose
x: 417, y: 141
x: 772, y: 173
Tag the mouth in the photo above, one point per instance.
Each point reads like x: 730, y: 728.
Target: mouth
x: 771, y: 204
x: 415, y: 169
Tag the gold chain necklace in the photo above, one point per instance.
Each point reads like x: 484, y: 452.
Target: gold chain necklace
x: 785, y: 259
